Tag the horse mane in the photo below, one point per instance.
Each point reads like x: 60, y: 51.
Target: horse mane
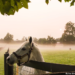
x: 37, y: 54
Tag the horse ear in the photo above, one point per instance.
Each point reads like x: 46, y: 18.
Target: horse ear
x: 30, y: 39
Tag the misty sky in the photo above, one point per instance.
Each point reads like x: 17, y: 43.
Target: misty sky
x: 40, y: 20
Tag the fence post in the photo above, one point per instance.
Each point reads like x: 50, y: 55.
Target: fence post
x: 8, y: 70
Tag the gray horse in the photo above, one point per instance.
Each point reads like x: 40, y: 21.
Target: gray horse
x: 28, y: 51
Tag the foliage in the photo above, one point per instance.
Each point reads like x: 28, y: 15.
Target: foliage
x: 69, y: 34
x: 49, y: 40
x: 42, y: 41
x: 8, y: 37
x: 24, y: 38
x: 35, y: 40
x: 57, y: 39
x: 9, y: 7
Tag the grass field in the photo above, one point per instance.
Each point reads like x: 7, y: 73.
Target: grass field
x: 61, y: 56
x: 1, y: 64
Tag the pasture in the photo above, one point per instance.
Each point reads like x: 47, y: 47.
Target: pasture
x: 60, y: 56
x: 1, y: 64
x: 53, y: 56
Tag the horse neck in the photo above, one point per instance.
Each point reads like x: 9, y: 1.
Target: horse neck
x: 36, y: 55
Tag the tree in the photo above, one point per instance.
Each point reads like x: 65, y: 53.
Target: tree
x: 8, y: 37
x: 42, y: 40
x: 24, y: 38
x: 9, y: 7
x: 69, y: 33
x: 35, y: 40
x: 50, y: 40
x: 57, y: 39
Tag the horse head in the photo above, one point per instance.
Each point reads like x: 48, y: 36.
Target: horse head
x: 22, y: 55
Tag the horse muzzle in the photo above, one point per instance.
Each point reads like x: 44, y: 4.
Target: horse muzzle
x: 9, y: 62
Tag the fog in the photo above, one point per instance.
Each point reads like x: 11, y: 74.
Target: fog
x: 14, y: 47
x: 57, y: 47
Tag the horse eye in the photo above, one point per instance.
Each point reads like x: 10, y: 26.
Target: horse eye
x: 23, y: 49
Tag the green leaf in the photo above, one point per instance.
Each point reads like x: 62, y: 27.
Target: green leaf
x: 1, y: 4
x: 19, y: 5
x: 72, y: 3
x: 2, y: 10
x: 3, y: 1
x: 18, y: 0
x: 67, y: 0
x: 16, y: 8
x: 28, y: 1
x: 11, y: 11
x: 7, y: 7
x: 47, y: 2
x: 12, y: 3
x: 60, y: 0
x: 24, y: 3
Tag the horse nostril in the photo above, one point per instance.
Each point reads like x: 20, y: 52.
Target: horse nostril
x: 8, y: 59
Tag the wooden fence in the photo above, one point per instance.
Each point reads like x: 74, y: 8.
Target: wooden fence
x: 55, y: 69
x: 8, y: 70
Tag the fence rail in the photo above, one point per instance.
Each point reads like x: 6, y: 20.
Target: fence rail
x: 56, y: 69
x: 51, y: 67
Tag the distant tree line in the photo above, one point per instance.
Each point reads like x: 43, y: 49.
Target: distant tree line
x: 49, y: 40
x: 67, y: 37
x: 9, y: 38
